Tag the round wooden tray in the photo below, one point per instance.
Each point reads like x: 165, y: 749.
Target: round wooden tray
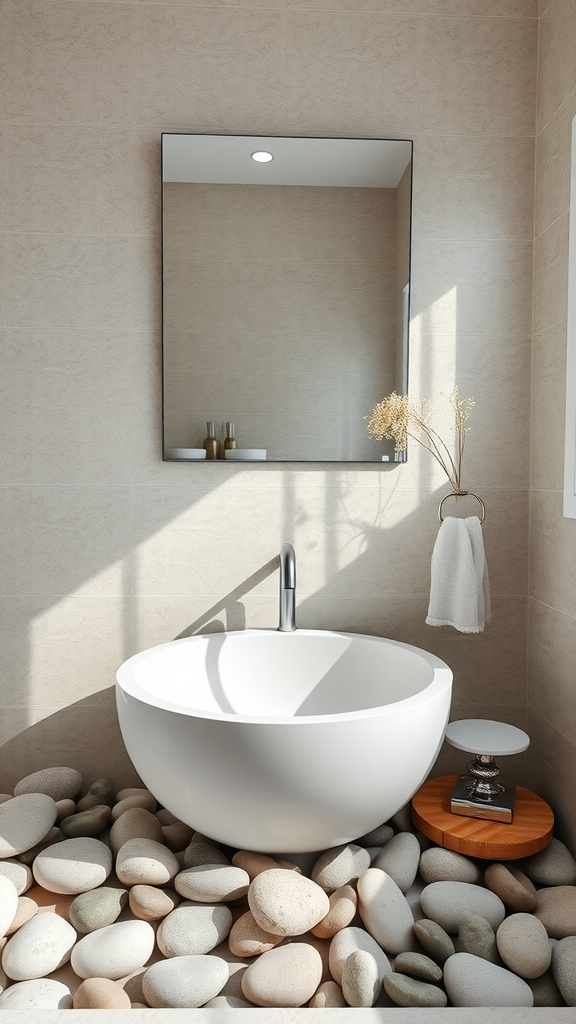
x: 529, y: 831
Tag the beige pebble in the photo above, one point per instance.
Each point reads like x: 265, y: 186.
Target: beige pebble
x: 18, y: 873
x: 360, y: 979
x: 176, y: 835
x: 100, y: 994
x: 286, y: 903
x: 512, y: 886
x: 339, y: 866
x: 328, y: 995
x: 523, y: 945
x: 289, y: 865
x: 287, y: 976
x: 25, y: 910
x: 556, y: 909
x: 24, y: 822
x: 440, y: 865
x: 58, y: 783
x: 253, y: 863
x: 149, y: 903
x: 346, y: 942
x: 145, y: 800
x: 248, y: 939
x: 385, y: 911
x: 136, y: 823
x: 399, y: 858
x: 145, y: 862
x: 124, y: 794
x: 167, y: 818
x: 65, y: 809
x: 73, y: 866
x: 212, y: 883
x: 343, y: 904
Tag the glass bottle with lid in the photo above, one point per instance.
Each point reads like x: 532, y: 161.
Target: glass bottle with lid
x: 230, y: 439
x: 210, y: 442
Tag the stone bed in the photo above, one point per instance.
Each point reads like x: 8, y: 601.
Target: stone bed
x: 109, y: 902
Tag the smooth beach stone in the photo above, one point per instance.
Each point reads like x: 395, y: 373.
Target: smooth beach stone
x: 197, y: 853
x: 339, y: 866
x: 554, y: 865
x: 377, y: 837
x: 145, y: 862
x: 8, y: 903
x: 439, y: 865
x: 148, y: 903
x: 253, y: 863
x: 184, y: 982
x: 434, y: 939
x: 193, y: 929
x: 128, y: 791
x: 212, y: 883
x: 512, y: 886
x: 40, y: 994
x: 399, y: 858
x: 136, y: 823
x: 564, y: 968
x: 101, y: 792
x: 545, y: 990
x: 114, y: 951
x: 97, y: 908
x: 86, y: 823
x: 247, y: 938
x: 477, y: 936
x: 18, y: 873
x: 176, y: 836
x: 343, y: 905
x: 25, y: 911
x: 346, y: 942
x: 54, y: 835
x: 287, y: 976
x: 448, y: 903
x: 145, y: 800
x: 327, y: 996
x: 58, y: 783
x: 471, y: 981
x: 406, y: 991
x: 385, y: 911
x: 556, y: 909
x: 523, y: 945
x: 417, y: 965
x: 100, y: 994
x: 286, y: 903
x: 360, y: 979
x: 167, y: 818
x: 73, y: 866
x: 65, y: 809
x: 24, y: 822
x: 39, y: 947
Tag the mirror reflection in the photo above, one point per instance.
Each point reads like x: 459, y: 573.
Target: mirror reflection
x: 285, y: 293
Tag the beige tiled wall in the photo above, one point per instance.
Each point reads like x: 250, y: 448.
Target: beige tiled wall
x: 105, y: 549
x: 552, y: 595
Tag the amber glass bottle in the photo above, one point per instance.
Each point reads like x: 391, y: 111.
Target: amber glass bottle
x: 210, y: 442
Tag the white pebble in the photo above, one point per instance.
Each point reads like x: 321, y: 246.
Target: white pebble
x: 472, y: 981
x: 184, y: 981
x: 40, y: 994
x: 193, y: 929
x: 18, y: 873
x: 212, y: 883
x: 287, y: 976
x: 24, y: 821
x: 145, y: 862
x: 73, y: 866
x: 360, y: 978
x: 8, y: 903
x: 523, y: 944
x: 385, y: 911
x: 399, y: 858
x: 40, y: 946
x: 286, y: 903
x: 339, y: 866
x: 58, y: 783
x: 346, y: 942
x: 114, y: 951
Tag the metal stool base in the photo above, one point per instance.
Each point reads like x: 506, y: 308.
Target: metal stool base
x: 496, y: 807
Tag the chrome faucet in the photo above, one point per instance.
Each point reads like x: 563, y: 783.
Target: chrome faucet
x: 287, y: 622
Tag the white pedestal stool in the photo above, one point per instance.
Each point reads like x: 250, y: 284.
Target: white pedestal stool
x: 480, y: 794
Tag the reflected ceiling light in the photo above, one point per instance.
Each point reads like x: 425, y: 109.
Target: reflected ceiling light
x: 262, y: 157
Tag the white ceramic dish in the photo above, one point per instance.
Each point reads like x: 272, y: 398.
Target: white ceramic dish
x: 245, y: 454
x: 185, y: 453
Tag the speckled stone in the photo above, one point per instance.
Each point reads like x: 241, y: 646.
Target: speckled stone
x: 184, y: 982
x: 434, y: 939
x: 377, y: 837
x: 286, y: 903
x: 556, y: 909
x: 417, y: 965
x: 65, y: 809
x: 8, y: 903
x: 248, y: 939
x: 523, y: 945
x: 545, y: 990
x: 399, y: 858
x: 100, y: 994
x: 86, y: 823
x: 18, y: 873
x: 144, y: 799
x: 473, y: 981
x: 343, y: 905
x: 73, y: 866
x: 39, y: 947
x: 512, y: 886
x: 100, y: 792
x: 346, y: 942
x: 149, y: 903
x: 448, y: 903
x: 287, y: 976
x: 40, y: 994
x: 212, y: 883
x: 439, y: 865
x: 360, y: 979
x: 385, y: 911
x: 197, y: 853
x: 24, y: 822
x: 97, y: 908
x: 58, y: 783
x: 554, y: 865
x: 327, y: 996
x: 253, y: 863
x: 193, y: 929
x: 477, y: 936
x: 405, y: 991
x: 564, y: 968
x: 340, y: 866
x: 136, y: 823
x: 176, y: 836
x: 113, y: 952
x: 145, y: 862
x: 25, y: 911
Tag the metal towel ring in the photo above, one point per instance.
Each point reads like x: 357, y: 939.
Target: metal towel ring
x: 462, y: 494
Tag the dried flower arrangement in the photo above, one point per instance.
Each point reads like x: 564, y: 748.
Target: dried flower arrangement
x: 397, y: 418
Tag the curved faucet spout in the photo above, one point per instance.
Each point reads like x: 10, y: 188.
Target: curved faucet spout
x: 287, y: 622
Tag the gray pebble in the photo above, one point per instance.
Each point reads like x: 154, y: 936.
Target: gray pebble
x: 554, y: 865
x: 477, y: 936
x: 417, y: 965
x: 377, y: 837
x: 58, y: 783
x: 405, y: 991
x: 434, y: 939
x: 97, y: 908
x: 86, y: 823
x: 564, y: 968
x: 439, y: 865
x: 545, y: 990
x: 103, y: 791
x: 399, y: 858
x: 196, y: 854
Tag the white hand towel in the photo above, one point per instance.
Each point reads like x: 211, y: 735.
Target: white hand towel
x: 459, y: 592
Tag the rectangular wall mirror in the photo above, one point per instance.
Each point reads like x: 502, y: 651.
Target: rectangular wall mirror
x: 286, y: 289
